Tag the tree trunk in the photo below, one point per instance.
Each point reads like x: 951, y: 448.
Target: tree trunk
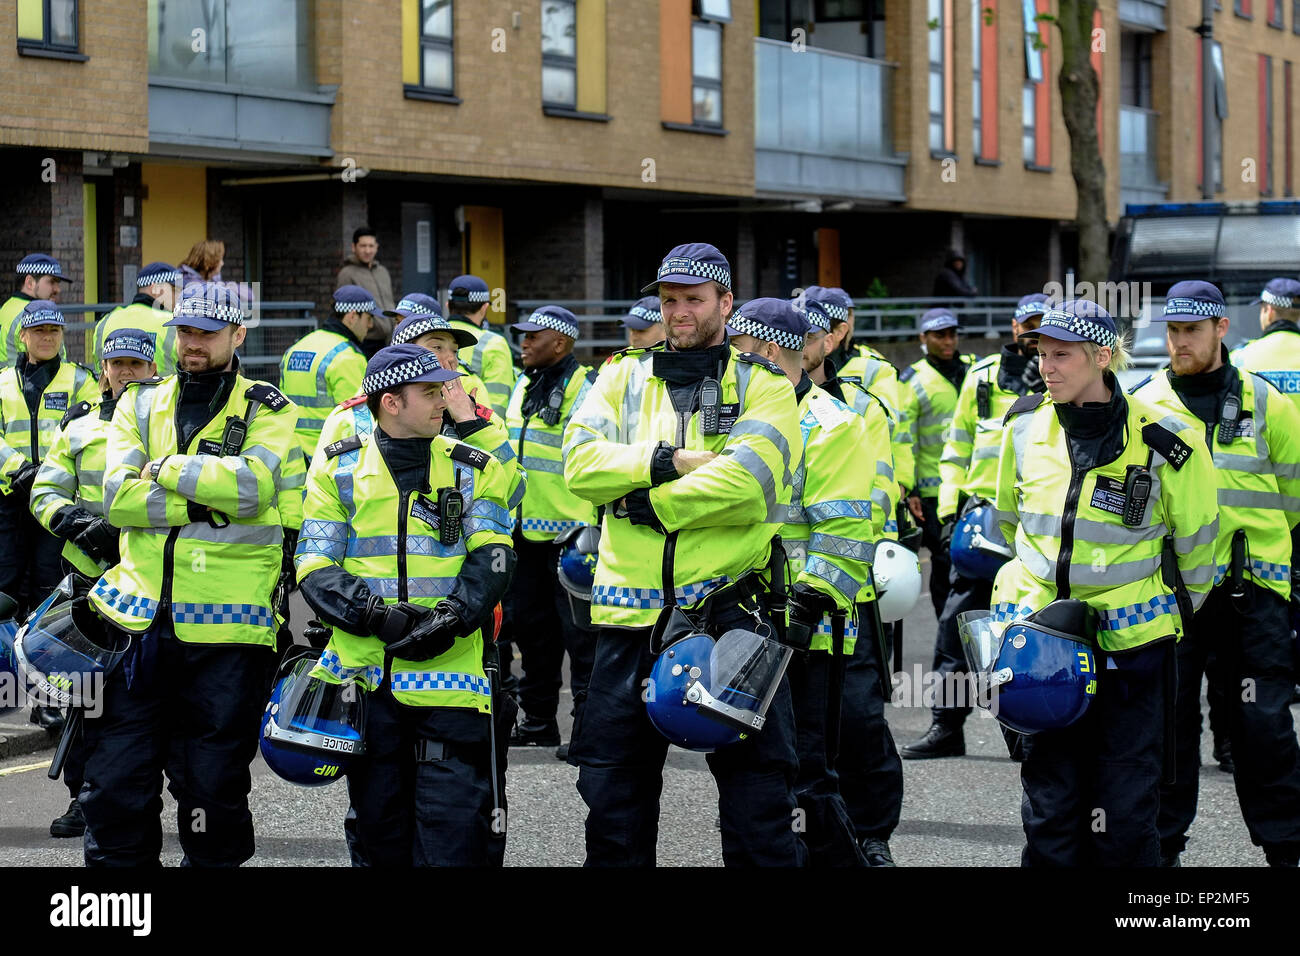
x: 1079, y: 92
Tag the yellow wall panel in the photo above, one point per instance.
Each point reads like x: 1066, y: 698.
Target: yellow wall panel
x: 31, y: 20
x: 89, y: 243
x: 591, y: 56
x: 411, y: 42
x: 483, y: 250
x: 174, y: 213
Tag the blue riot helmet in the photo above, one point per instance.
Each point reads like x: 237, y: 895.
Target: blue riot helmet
x: 1043, y: 672
x: 63, y: 651
x: 576, y: 569
x: 978, y: 549
x: 312, y: 729
x: 680, y: 664
x: 10, y: 699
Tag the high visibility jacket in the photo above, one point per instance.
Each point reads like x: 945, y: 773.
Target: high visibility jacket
x: 26, y: 437
x: 1276, y: 356
x: 1068, y: 532
x: 875, y: 374
x: 928, y: 403
x: 831, y: 524
x: 1257, y: 473
x: 72, y: 474
x: 973, y: 442
x: 142, y: 316
x: 884, y: 486
x: 549, y: 507
x: 492, y: 361
x: 216, y: 581
x: 718, y: 520
x: 317, y: 372
x: 9, y: 329
x: 355, y: 518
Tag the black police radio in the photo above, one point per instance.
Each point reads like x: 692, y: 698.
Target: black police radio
x: 710, y: 406
x: 1230, y: 420
x: 984, y: 398
x: 1137, y: 491
x: 551, y: 413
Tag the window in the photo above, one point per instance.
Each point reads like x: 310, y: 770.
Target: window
x: 706, y: 73
x: 939, y: 32
x: 1135, y: 69
x: 559, y: 53
x: 1265, y: 125
x: 1215, y: 132
x: 1295, y: 16
x: 1276, y: 18
x: 1241, y: 8
x: 1035, y: 97
x: 48, y: 25
x: 436, y: 59
x: 976, y: 91
x: 716, y: 10
x: 1286, y: 128
x: 1029, y: 117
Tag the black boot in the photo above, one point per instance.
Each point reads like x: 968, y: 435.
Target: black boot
x: 1169, y: 861
x: 535, y: 733
x: 877, y: 853
x: 71, y: 824
x: 1223, y: 754
x: 47, y: 718
x: 940, y: 740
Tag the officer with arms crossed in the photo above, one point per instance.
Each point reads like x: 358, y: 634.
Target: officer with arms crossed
x: 689, y: 446
x: 1253, y: 433
x: 1106, y: 498
x: 404, y: 555
x: 149, y: 311
x: 194, y: 477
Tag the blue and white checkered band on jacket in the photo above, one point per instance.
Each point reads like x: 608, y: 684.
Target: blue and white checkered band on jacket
x: 1093, y: 331
x: 650, y: 315
x: 429, y: 323
x: 343, y: 308
x: 1206, y: 310
x: 693, y: 267
x: 1277, y: 301
x: 42, y: 317
x: 37, y: 268
x: 143, y: 348
x: 411, y: 308
x: 400, y: 374
x: 166, y: 278
x: 1030, y: 308
x: 548, y: 321
x: 747, y: 326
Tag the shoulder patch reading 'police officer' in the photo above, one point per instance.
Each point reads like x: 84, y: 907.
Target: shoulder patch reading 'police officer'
x: 1174, y: 450
x: 755, y: 359
x: 75, y: 412
x: 343, y: 446
x: 267, y: 394
x: 468, y: 455
x: 1025, y: 403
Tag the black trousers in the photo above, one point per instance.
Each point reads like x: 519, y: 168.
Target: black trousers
x: 30, y: 565
x: 543, y: 629
x: 1251, y: 638
x: 621, y: 756
x: 965, y: 594
x: 419, y: 801
x: 870, y: 771
x: 1091, y: 790
x: 940, y: 565
x: 198, y: 723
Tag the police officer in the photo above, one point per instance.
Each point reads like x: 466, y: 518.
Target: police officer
x: 1276, y: 353
x: 194, y: 479
x: 969, y: 472
x: 929, y: 394
x: 870, y: 772
x: 644, y: 323
x: 68, y: 500
x: 1100, y: 491
x: 828, y: 535
x: 325, y: 367
x: 490, y: 357
x: 691, y: 490
x: 1254, y: 436
x: 554, y: 383
x: 149, y: 311
x: 404, y: 555
x: 40, y: 278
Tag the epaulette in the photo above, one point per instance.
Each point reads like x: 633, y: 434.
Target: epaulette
x: 145, y: 381
x: 469, y: 455
x: 1025, y: 403
x: 75, y: 412
x: 592, y: 375
x: 343, y: 446
x: 984, y: 363
x: 881, y: 402
x: 354, y: 402
x: 754, y: 358
x: 267, y: 394
x: 1134, y: 389
x: 907, y: 374
x: 1173, y: 449
x: 625, y: 352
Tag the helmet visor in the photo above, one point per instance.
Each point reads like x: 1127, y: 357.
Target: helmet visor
x: 745, y: 670
x: 317, y: 715
x: 65, y: 650
x: 980, y: 639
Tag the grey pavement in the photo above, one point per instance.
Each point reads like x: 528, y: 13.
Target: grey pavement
x: 956, y: 811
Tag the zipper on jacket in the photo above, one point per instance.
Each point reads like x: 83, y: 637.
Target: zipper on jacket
x: 523, y: 430
x: 670, y: 542
x: 1066, y: 553
x: 402, y: 586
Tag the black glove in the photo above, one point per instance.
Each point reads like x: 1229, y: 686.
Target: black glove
x: 317, y: 634
x: 662, y: 468
x: 638, y: 510
x: 99, y: 539
x: 807, y: 607
x: 945, y: 532
x: 288, y: 579
x: 431, y: 636
x: 22, y: 480
x: 391, y: 622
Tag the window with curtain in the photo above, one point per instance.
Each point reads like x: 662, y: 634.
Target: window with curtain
x: 560, y: 53
x: 706, y: 73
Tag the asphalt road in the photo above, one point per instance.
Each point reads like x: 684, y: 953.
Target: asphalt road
x: 956, y: 811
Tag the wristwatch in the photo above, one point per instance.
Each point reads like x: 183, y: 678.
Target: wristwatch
x: 153, y: 469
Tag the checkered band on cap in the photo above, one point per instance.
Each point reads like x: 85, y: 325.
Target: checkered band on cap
x: 682, y: 266
x: 548, y: 321
x: 135, y: 344
x: 837, y: 312
x: 203, y: 307
x: 1081, y: 325
x: 166, y: 278
x: 343, y: 308
x: 1182, y: 306
x: 817, y: 315
x: 748, y: 326
x: 650, y: 315
x: 396, y: 375
x: 1031, y: 308
x: 41, y: 317
x: 422, y: 325
x: 411, y: 307
x: 1277, y: 301
x: 38, y: 269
